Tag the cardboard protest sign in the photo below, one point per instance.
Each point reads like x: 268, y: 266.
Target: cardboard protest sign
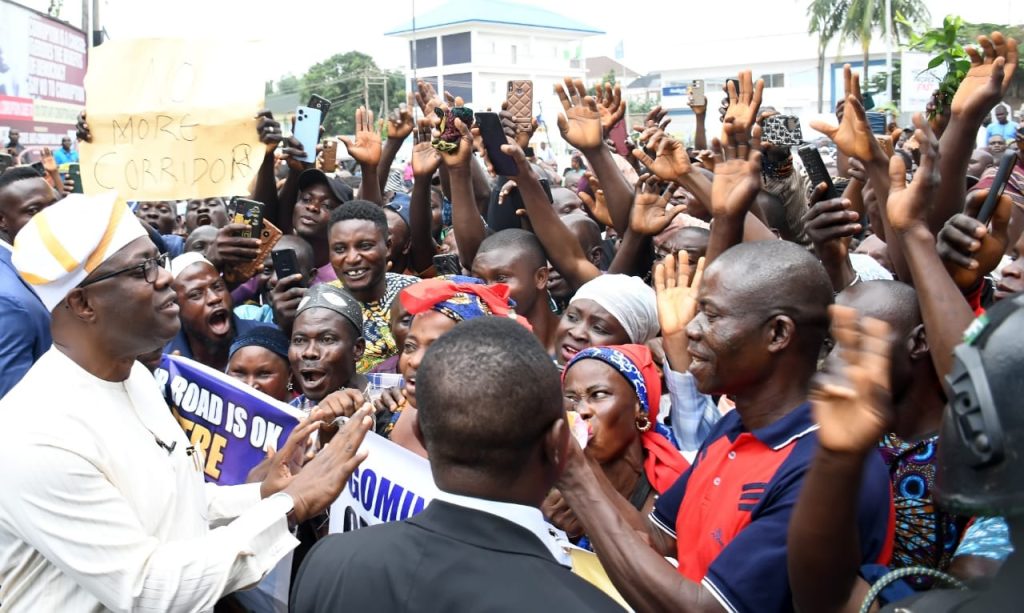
x: 171, y: 119
x: 231, y: 423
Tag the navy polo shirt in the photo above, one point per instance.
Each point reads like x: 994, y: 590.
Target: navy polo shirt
x: 729, y: 513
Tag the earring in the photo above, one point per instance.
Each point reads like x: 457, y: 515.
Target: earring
x: 643, y: 424
x: 291, y: 386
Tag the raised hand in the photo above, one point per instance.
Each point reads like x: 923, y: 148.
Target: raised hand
x: 851, y: 404
x: 908, y: 206
x: 580, y: 125
x: 596, y: 204
x: 364, y: 147
x: 656, y: 118
x: 671, y: 162
x: 400, y: 122
x: 743, y: 104
x: 322, y: 478
x: 853, y: 135
x: 649, y: 215
x: 988, y: 77
x: 968, y: 248
x: 425, y: 159
x: 737, y: 173
x: 461, y: 156
x: 830, y: 221
x: 676, y: 293
x: 511, y: 128
x: 82, y: 131
x: 428, y: 100
x: 294, y: 155
x: 46, y: 157
x: 610, y: 104
x: 269, y: 130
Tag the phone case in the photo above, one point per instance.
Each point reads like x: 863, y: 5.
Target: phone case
x: 250, y: 213
x: 447, y: 264
x: 782, y: 130
x: 330, y: 155
x: 321, y: 104
x: 816, y: 169
x: 268, y: 236
x: 286, y: 263
x: 697, y: 97
x: 307, y: 130
x: 75, y: 173
x: 494, y: 137
x: 520, y: 103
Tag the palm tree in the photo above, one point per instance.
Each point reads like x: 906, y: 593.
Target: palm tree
x: 826, y: 20
x: 864, y: 16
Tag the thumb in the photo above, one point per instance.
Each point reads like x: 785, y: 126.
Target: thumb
x: 974, y: 201
x: 897, y: 174
x: 270, y: 453
x: 644, y: 159
x: 998, y: 71
x: 674, y: 211
x: 346, y: 141
x: 825, y: 128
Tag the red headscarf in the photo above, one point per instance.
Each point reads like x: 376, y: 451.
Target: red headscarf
x: 663, y: 463
x: 460, y: 298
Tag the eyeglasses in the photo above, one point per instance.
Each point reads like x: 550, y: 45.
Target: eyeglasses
x: 150, y: 270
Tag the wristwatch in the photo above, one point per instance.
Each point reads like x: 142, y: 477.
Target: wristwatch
x: 290, y: 515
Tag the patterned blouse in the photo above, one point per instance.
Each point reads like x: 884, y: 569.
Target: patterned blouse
x: 380, y: 344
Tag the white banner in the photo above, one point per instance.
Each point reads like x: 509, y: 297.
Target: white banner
x: 392, y: 484
x: 916, y: 83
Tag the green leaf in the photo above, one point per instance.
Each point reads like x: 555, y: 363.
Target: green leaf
x: 938, y: 60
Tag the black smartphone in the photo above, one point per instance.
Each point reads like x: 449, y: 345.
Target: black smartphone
x: 75, y: 173
x: 38, y: 167
x: 320, y: 103
x: 286, y: 263
x: 494, y: 137
x: 998, y: 186
x: 447, y: 264
x: 249, y: 212
x: 735, y: 84
x: 816, y: 169
x: 6, y: 161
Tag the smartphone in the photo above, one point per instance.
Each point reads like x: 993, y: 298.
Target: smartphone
x: 816, y: 169
x: 75, y: 173
x: 782, y: 130
x: 494, y: 137
x: 330, y: 155
x: 286, y: 263
x: 447, y: 264
x: 998, y: 186
x: 520, y: 104
x: 697, y: 97
x: 321, y: 104
x: 249, y: 212
x: 307, y: 130
x: 735, y: 84
x: 6, y: 161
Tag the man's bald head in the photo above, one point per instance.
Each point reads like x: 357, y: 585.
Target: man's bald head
x: 586, y: 231
x: 893, y: 302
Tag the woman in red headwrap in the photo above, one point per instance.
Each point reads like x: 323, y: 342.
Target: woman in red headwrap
x: 616, y: 391
x: 437, y: 305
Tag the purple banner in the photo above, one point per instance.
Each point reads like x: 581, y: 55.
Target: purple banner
x: 231, y: 423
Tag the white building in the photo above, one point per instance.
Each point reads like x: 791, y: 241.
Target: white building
x: 473, y: 48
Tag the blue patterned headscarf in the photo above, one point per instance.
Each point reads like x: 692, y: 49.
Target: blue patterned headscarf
x: 626, y: 367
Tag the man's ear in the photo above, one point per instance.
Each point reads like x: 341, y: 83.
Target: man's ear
x: 556, y: 447
x: 359, y: 348
x: 595, y: 256
x: 540, y: 278
x: 780, y: 330
x: 917, y: 343
x: 77, y: 301
x: 3, y: 226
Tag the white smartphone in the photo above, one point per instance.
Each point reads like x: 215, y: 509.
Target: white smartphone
x: 307, y: 131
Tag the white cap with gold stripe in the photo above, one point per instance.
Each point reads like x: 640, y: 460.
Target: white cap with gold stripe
x: 62, y: 244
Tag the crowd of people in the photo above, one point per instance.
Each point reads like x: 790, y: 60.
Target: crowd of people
x: 740, y: 390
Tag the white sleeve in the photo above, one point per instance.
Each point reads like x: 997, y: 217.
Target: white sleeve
x: 693, y: 414
x: 226, y: 502
x: 74, y: 516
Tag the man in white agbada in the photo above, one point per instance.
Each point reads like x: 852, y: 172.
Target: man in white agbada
x: 104, y: 505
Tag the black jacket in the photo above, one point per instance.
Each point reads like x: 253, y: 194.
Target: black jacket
x: 447, y: 558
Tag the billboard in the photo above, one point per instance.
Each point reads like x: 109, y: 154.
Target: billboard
x: 42, y: 69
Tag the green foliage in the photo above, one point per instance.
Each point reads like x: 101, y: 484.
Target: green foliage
x: 946, y: 43
x: 643, y: 107
x: 863, y: 17
x: 609, y: 77
x: 880, y: 82
x: 341, y: 78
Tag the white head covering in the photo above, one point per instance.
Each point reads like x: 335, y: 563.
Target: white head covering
x: 183, y: 261
x: 631, y: 301
x: 62, y: 244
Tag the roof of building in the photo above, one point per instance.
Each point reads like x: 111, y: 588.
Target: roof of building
x: 652, y: 79
x: 492, y: 11
x: 601, y: 65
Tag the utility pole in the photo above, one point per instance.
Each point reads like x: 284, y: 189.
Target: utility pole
x: 384, y: 112
x: 97, y: 29
x: 366, y: 89
x: 85, y: 22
